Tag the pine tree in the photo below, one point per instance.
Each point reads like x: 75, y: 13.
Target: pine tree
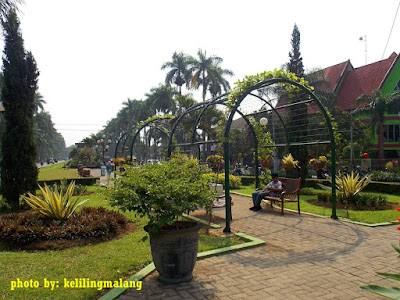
x: 297, y: 115
x: 18, y: 168
x: 295, y: 65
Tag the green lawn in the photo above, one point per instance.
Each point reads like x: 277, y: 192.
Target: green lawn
x: 107, y: 261
x: 57, y: 171
x: 370, y: 217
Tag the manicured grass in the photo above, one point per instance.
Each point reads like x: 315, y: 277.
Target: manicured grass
x: 106, y: 261
x: 57, y: 171
x: 370, y: 217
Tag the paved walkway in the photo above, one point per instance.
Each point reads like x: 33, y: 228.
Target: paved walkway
x: 103, y: 179
x: 304, y: 258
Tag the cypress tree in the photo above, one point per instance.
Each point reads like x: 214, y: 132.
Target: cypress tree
x: 297, y: 115
x: 295, y: 64
x: 18, y: 168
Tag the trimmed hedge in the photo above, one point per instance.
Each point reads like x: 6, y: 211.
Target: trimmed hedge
x: 373, y: 186
x: 78, y: 180
x: 248, y: 180
x: 363, y: 199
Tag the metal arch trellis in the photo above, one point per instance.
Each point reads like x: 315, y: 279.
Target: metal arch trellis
x: 179, y: 119
x: 135, y: 130
x: 234, y: 109
x: 123, y: 137
x: 204, y: 106
x: 221, y: 100
x: 162, y: 130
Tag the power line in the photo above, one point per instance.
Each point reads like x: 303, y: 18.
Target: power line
x: 78, y: 124
x: 394, y: 21
x: 76, y: 129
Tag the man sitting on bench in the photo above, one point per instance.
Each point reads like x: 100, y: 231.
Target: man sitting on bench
x: 273, y: 189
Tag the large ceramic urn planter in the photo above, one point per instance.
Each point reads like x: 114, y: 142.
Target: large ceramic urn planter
x: 174, y: 251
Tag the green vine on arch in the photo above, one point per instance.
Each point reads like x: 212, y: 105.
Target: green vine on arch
x: 264, y: 138
x: 242, y: 86
x: 152, y: 118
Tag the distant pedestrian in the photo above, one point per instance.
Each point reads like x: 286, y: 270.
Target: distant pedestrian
x: 109, y: 168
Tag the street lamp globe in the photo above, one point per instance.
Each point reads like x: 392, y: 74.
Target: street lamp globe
x: 264, y: 121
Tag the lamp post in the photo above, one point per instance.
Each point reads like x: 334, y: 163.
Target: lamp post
x: 103, y: 144
x: 364, y: 39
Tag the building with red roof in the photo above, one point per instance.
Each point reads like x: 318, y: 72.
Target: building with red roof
x: 349, y: 83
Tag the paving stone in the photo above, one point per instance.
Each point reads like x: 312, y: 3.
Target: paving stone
x: 304, y: 258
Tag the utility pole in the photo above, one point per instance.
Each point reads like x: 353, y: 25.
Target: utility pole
x: 364, y: 38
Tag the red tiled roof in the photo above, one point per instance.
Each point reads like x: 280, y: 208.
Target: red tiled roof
x: 334, y: 73
x: 363, y: 80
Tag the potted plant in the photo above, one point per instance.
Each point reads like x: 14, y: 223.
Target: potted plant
x: 288, y: 162
x: 163, y: 192
x: 216, y: 162
x: 318, y: 164
x: 266, y: 161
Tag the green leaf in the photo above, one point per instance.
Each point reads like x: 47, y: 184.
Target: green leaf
x: 396, y: 248
x: 393, y: 293
x: 391, y: 276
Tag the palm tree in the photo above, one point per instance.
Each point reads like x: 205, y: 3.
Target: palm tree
x: 217, y: 82
x: 178, y: 73
x: 377, y: 105
x: 162, y: 99
x: 7, y: 5
x: 206, y: 72
x: 38, y: 103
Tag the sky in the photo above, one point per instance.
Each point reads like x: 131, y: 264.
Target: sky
x: 93, y: 54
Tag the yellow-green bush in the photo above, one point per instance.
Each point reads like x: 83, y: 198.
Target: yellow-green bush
x: 235, y: 181
x: 55, y: 203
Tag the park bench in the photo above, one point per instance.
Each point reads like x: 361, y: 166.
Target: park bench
x: 290, y: 193
x: 83, y: 172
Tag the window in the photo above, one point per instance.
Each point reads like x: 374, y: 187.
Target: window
x: 392, y: 133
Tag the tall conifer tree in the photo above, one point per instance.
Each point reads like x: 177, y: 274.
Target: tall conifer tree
x: 297, y: 115
x: 18, y: 168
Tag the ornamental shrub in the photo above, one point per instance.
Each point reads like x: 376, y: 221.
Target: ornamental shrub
x: 55, y: 203
x: 21, y: 229
x: 162, y: 192
x: 235, y: 182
